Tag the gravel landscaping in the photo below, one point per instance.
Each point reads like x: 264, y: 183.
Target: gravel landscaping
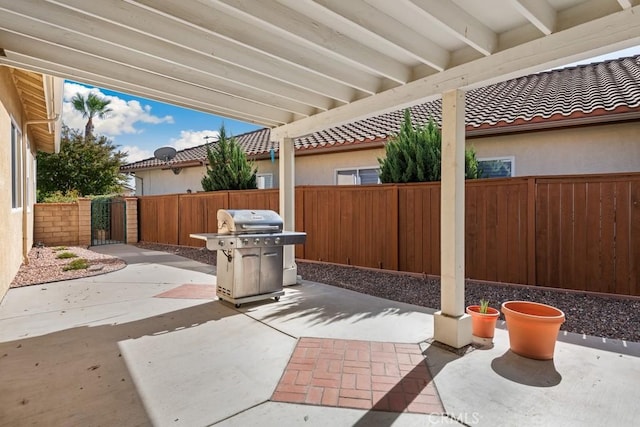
x: 597, y: 315
x: 45, y: 266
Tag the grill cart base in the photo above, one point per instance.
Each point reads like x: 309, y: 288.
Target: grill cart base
x: 239, y: 301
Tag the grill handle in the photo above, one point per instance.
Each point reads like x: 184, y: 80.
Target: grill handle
x: 260, y: 227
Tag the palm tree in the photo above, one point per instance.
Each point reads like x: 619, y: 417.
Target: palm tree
x: 92, y: 106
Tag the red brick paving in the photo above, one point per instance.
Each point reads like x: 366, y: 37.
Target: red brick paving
x: 359, y: 374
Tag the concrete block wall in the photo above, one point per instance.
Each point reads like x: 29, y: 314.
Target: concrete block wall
x: 69, y: 224
x: 132, y: 219
x: 84, y: 222
x: 56, y: 224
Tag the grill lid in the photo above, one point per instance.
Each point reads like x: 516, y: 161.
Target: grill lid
x: 231, y: 221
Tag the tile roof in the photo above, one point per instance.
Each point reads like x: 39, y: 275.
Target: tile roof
x: 581, y: 92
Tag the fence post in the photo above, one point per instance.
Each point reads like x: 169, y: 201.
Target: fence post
x: 84, y: 221
x: 131, y: 209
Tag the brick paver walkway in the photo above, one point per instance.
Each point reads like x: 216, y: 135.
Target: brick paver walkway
x: 359, y: 374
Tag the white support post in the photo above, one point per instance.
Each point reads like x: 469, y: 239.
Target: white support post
x: 451, y: 325
x: 287, y: 206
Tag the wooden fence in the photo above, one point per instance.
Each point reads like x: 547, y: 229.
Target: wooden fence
x: 568, y: 232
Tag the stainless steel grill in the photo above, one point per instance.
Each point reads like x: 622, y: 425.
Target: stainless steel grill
x: 250, y: 245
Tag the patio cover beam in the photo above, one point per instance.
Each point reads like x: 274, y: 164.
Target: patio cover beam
x: 616, y: 31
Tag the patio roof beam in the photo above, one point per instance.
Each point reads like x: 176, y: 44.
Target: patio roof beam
x: 24, y: 46
x: 625, y: 4
x: 297, y: 52
x: 223, y: 57
x: 157, y: 65
x: 619, y: 30
x: 382, y: 29
x: 539, y: 13
x: 54, y: 69
x: 299, y: 28
x: 456, y: 21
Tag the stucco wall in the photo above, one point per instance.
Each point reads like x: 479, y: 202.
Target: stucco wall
x: 166, y: 182
x: 10, y: 219
x: 591, y: 149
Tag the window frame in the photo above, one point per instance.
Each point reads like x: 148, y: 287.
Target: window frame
x: 266, y: 174
x: 357, y: 169
x: 17, y: 172
x: 511, y: 159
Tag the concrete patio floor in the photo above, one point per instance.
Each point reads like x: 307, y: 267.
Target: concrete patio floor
x: 148, y: 345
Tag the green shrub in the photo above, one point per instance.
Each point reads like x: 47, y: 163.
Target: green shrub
x: 65, y: 255
x: 228, y: 167
x: 59, y: 248
x: 70, y: 196
x: 415, y: 154
x: 76, y: 264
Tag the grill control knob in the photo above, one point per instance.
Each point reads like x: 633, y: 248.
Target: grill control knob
x: 267, y: 241
x: 277, y: 241
x: 245, y: 241
x: 257, y: 241
x: 221, y: 242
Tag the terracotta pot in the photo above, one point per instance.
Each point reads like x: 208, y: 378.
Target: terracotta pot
x: 533, y: 328
x: 483, y: 325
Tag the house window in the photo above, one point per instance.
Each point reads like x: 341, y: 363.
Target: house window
x: 358, y: 176
x: 497, y: 167
x: 264, y: 180
x: 16, y: 168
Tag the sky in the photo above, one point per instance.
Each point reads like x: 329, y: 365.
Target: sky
x: 139, y: 126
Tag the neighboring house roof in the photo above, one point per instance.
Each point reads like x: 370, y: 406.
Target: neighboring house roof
x: 605, y: 91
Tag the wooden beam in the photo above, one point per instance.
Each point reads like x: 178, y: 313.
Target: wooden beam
x: 621, y: 29
x: 163, y: 36
x: 388, y: 30
x: 256, y: 45
x: 456, y: 21
x: 539, y: 13
x: 299, y: 28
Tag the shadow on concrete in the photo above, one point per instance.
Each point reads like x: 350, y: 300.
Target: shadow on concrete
x: 522, y: 370
x: 398, y: 399
x: 320, y: 304
x: 436, y: 359
x: 628, y: 348
x: 78, y: 376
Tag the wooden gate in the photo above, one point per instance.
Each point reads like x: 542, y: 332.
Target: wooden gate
x: 108, y: 221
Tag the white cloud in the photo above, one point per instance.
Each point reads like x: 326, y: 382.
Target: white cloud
x: 135, y: 153
x: 123, y: 119
x: 193, y: 138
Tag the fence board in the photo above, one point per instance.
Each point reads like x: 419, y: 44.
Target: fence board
x: 192, y: 218
x: 622, y: 236
x: 593, y: 236
x: 580, y: 232
x: 419, y: 209
x: 254, y: 199
x: 607, y: 232
x: 634, y: 221
x: 566, y: 238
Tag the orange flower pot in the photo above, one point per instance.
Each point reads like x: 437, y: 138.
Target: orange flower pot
x: 533, y: 328
x: 483, y: 325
